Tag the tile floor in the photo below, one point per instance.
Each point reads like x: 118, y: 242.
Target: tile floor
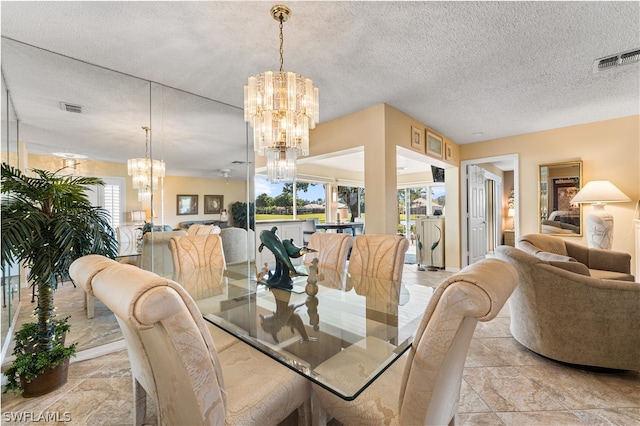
x: 503, y: 383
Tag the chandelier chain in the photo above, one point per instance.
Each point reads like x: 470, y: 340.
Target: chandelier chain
x: 281, y: 44
x: 146, y: 142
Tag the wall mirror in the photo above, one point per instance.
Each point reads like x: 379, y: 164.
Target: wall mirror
x: 203, y: 143
x: 558, y: 184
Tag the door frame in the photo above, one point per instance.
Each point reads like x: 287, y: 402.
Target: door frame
x: 464, y: 196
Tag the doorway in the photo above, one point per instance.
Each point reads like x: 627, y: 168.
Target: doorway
x: 481, y: 204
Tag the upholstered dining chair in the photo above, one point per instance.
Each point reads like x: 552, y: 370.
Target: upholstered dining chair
x: 238, y: 244
x: 156, y: 255
x: 174, y: 360
x: 378, y: 256
x: 197, y: 229
x: 332, y: 250
x: 197, y: 251
x: 423, y: 386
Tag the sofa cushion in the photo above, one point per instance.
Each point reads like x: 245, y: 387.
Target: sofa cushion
x: 575, y: 267
x: 553, y: 257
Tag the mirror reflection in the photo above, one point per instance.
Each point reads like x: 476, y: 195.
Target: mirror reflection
x: 559, y: 183
x: 203, y: 162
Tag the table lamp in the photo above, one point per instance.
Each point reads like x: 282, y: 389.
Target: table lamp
x: 599, y: 222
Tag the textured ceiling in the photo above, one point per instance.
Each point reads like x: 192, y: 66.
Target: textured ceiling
x: 470, y: 70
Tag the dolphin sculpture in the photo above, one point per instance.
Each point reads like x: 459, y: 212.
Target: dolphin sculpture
x: 284, y: 268
x: 295, y: 251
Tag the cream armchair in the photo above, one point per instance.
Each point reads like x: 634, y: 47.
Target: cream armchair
x: 174, y: 360
x: 564, y: 314
x: 238, y: 244
x: 605, y: 264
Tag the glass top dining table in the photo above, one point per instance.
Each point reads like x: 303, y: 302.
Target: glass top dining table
x: 341, y: 332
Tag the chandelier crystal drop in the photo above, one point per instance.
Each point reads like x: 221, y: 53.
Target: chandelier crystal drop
x: 281, y: 165
x: 281, y: 107
x: 145, y: 172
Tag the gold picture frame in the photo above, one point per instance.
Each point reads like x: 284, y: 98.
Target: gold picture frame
x: 448, y: 152
x: 434, y: 144
x: 417, y: 142
x: 186, y: 204
x: 213, y: 204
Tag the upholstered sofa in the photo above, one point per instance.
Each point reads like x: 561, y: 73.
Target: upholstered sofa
x: 605, y: 264
x: 572, y: 317
x: 188, y: 223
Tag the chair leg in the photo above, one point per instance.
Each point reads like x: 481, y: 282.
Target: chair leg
x: 319, y: 414
x: 139, y: 403
x: 304, y: 413
x: 90, y: 304
x: 453, y: 421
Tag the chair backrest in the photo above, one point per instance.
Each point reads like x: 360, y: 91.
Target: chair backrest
x: 332, y: 250
x: 378, y: 256
x: 533, y: 243
x: 430, y: 389
x: 238, y: 244
x: 171, y: 352
x: 197, y: 251
x: 197, y: 229
x: 156, y: 255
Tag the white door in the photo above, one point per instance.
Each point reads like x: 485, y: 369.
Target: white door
x: 476, y: 214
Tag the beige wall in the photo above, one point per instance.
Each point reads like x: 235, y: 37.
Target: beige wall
x: 232, y: 190
x: 609, y: 150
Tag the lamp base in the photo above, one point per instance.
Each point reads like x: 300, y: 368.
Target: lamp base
x: 599, y: 228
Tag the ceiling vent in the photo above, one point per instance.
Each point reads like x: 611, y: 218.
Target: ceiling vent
x: 613, y: 61
x: 71, y: 107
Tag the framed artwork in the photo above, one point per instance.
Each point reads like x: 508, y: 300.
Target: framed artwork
x: 187, y: 204
x: 416, y: 139
x: 448, y: 152
x: 434, y: 144
x: 213, y: 204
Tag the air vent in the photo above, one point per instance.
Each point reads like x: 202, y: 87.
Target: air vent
x: 238, y: 162
x: 71, y: 107
x: 613, y: 61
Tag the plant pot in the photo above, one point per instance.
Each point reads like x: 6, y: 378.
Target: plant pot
x: 50, y: 380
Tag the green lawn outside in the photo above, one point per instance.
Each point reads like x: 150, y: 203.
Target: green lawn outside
x: 319, y: 216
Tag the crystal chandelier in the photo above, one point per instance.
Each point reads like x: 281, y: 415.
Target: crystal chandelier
x: 281, y: 107
x: 145, y: 172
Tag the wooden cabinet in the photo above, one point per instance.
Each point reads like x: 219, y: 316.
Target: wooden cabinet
x: 431, y: 229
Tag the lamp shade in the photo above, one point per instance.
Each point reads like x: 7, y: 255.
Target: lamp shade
x: 600, y: 191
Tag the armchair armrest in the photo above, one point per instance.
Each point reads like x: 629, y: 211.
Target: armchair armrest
x: 608, y: 260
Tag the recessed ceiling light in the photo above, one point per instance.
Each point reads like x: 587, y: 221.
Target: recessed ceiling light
x: 69, y: 155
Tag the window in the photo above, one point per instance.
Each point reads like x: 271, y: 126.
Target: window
x: 111, y: 198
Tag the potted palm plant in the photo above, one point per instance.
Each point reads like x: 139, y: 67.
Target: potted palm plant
x: 47, y: 223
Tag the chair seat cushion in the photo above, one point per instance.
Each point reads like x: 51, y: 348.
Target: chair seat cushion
x: 611, y: 275
x: 221, y: 339
x: 374, y: 406
x: 280, y: 392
